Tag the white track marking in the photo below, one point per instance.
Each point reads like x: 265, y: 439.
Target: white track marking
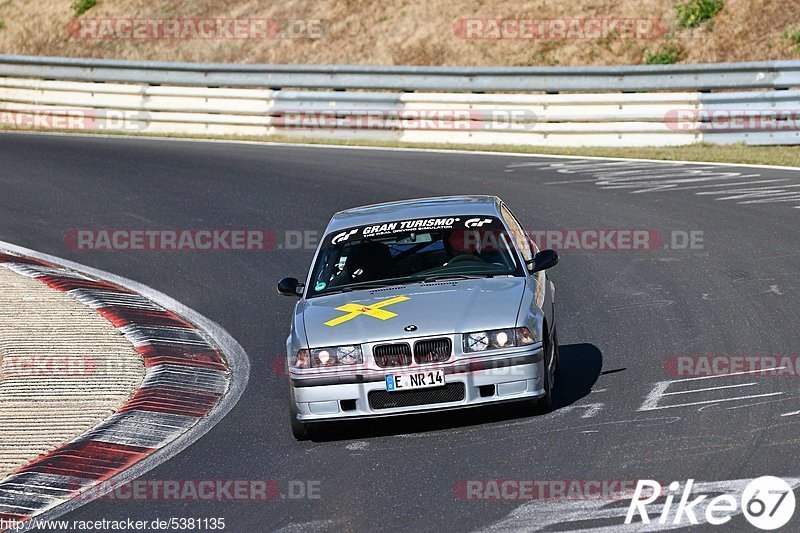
x: 640, y: 177
x: 564, y: 182
x: 651, y: 401
x: 704, y: 402
x: 659, y: 390
x: 712, y: 185
x: 709, y: 389
x: 745, y: 372
x: 772, y: 189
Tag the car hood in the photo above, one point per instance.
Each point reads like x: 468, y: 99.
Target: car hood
x: 439, y: 308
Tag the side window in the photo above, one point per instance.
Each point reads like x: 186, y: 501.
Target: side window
x: 518, y: 233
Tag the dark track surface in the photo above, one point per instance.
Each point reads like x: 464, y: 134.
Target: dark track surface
x: 621, y: 315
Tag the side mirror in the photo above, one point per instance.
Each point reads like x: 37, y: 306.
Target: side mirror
x: 543, y: 260
x: 289, y: 286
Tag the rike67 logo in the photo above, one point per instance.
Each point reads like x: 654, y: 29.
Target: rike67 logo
x: 767, y: 503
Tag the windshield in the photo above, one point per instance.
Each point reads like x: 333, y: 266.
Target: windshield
x: 413, y: 250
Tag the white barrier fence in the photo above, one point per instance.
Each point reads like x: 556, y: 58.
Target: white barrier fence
x: 575, y: 119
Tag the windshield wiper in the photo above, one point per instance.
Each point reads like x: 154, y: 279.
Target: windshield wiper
x: 370, y: 285
x: 445, y: 277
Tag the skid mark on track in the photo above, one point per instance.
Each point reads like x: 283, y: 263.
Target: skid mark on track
x: 590, y: 409
x: 656, y: 304
x: 717, y: 182
x: 772, y: 290
x: 313, y: 525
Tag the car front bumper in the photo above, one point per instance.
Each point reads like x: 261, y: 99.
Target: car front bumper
x: 485, y: 380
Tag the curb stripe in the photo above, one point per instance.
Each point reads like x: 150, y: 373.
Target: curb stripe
x: 140, y: 335
x: 157, y: 354
x: 186, y: 378
x: 97, y: 299
x: 121, y: 317
x: 68, y: 283
x: 149, y: 429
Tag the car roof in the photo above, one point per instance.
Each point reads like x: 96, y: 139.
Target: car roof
x: 439, y: 206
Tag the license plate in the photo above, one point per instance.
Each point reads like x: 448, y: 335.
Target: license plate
x: 415, y: 380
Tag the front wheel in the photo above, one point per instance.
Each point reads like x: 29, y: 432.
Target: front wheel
x: 556, y: 353
x: 300, y: 430
x: 545, y: 403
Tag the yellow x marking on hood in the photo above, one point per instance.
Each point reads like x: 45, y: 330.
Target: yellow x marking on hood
x: 352, y: 310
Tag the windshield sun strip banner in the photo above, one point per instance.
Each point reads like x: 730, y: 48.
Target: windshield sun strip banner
x: 466, y: 222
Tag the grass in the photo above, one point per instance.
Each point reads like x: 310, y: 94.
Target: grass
x: 787, y: 156
x: 667, y: 55
x: 79, y: 7
x: 2, y: 24
x: 793, y: 36
x: 694, y: 12
x: 738, y: 153
x: 425, y: 35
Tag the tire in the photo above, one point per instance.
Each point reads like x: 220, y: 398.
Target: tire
x: 300, y: 430
x: 545, y: 403
x: 556, y: 353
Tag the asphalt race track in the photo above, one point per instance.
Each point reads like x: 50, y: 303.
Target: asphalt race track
x: 623, y: 316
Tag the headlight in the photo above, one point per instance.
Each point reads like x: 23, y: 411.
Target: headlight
x: 498, y: 338
x: 327, y: 357
x: 302, y: 359
x: 336, y: 356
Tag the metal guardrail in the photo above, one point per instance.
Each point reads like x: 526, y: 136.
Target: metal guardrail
x: 636, y: 106
x: 699, y: 77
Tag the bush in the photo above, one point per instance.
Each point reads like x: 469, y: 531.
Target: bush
x: 666, y: 56
x: 694, y: 12
x: 79, y: 7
